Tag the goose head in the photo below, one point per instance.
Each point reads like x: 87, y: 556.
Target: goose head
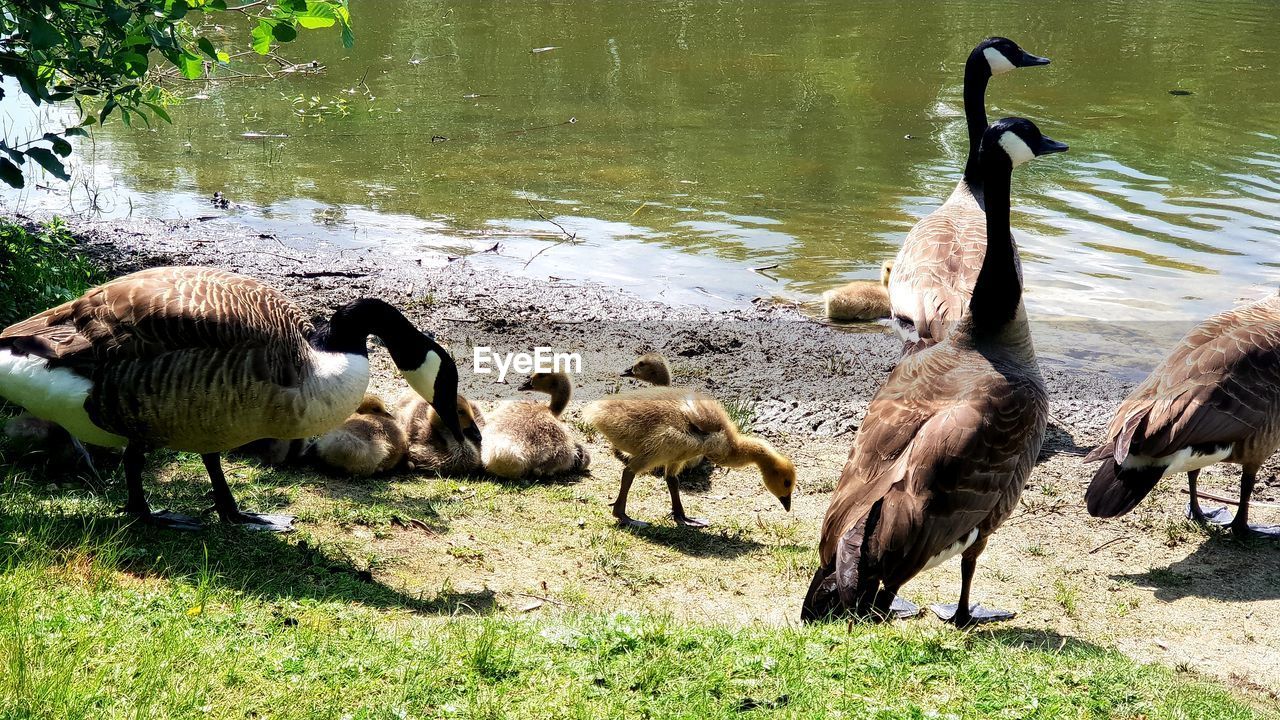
x: 651, y: 368
x: 469, y: 420
x: 886, y: 269
x: 1014, y: 141
x: 779, y: 475
x: 1002, y: 55
x: 550, y: 383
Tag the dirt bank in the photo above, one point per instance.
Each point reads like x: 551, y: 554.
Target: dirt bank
x: 1150, y: 583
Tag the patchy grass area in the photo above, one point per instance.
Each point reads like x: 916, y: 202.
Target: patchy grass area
x: 40, y: 268
x: 101, y: 619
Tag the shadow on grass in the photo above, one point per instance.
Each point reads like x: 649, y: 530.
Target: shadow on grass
x: 707, y: 542
x: 1037, y: 639
x: 1221, y: 567
x: 1059, y: 442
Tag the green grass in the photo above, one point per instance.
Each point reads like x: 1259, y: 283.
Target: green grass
x: 40, y: 268
x: 99, y: 619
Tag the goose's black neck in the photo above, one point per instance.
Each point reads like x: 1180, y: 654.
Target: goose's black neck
x: 998, y: 290
x: 349, y: 329
x: 977, y: 72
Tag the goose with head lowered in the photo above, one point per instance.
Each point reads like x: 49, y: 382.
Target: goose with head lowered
x: 1216, y: 398
x: 949, y: 440
x: 202, y: 360
x: 938, y: 264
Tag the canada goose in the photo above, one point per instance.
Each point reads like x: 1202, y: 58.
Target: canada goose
x: 939, y: 261
x: 1215, y: 398
x: 203, y: 360
x: 370, y: 441
x: 432, y: 448
x: 860, y: 300
x: 947, y: 443
x: 670, y: 427
x: 651, y: 368
x: 524, y: 439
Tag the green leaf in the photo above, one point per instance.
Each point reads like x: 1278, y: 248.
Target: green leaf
x: 348, y: 37
x: 159, y: 111
x: 284, y: 32
x: 49, y: 162
x: 216, y: 4
x: 177, y: 9
x: 106, y: 110
x: 75, y: 131
x: 317, y: 15
x: 190, y: 64
x: 223, y: 57
x: 207, y: 48
x: 60, y: 146
x: 42, y: 35
x: 294, y: 6
x: 133, y: 63
x: 261, y: 36
x: 10, y: 174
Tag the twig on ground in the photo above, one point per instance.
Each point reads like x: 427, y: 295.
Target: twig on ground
x: 1108, y: 543
x: 1230, y: 501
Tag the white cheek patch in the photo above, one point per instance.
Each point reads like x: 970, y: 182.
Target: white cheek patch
x: 423, y: 379
x: 1015, y: 148
x: 998, y: 62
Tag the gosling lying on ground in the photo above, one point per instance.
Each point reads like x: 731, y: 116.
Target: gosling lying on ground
x: 670, y: 427
x: 29, y: 433
x: 370, y: 441
x: 860, y: 300
x: 432, y: 446
x: 523, y: 439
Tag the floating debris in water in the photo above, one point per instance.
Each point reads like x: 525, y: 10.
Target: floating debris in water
x: 1181, y: 93
x: 908, y: 136
x: 549, y: 48
x: 438, y: 138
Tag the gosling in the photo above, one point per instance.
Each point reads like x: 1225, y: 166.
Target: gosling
x: 369, y: 442
x: 669, y: 427
x: 527, y: 439
x: 860, y: 300
x: 432, y: 446
x: 651, y: 368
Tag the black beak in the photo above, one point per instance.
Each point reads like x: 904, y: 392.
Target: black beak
x: 526, y: 385
x: 473, y: 434
x: 1029, y: 60
x: 786, y: 502
x: 629, y: 372
x: 1048, y: 146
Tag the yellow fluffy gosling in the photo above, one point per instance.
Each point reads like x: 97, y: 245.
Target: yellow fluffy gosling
x: 860, y: 300
x: 432, y: 447
x: 369, y: 441
x: 527, y: 439
x: 669, y: 427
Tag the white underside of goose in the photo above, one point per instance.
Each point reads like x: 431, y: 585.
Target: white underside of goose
x: 1185, y: 460
x: 953, y: 549
x: 332, y: 393
x: 53, y: 394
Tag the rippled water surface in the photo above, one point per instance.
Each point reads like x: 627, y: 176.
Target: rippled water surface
x: 686, y: 143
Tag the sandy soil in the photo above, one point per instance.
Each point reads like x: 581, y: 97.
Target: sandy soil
x: 1151, y: 583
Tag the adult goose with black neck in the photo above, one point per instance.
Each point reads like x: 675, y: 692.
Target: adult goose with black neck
x: 1216, y: 398
x: 939, y: 261
x: 203, y: 361
x: 948, y: 441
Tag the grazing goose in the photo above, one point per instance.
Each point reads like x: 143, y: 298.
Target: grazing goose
x: 370, y: 441
x: 860, y: 300
x: 651, y: 368
x: 948, y: 441
x: 523, y: 439
x: 939, y: 261
x: 432, y: 448
x: 203, y: 361
x: 670, y: 427
x: 1216, y: 398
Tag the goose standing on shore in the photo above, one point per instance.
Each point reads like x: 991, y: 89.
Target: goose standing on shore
x: 938, y: 264
x: 949, y: 440
x: 202, y: 360
x: 1216, y: 398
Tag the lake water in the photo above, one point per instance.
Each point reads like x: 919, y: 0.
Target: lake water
x: 686, y: 143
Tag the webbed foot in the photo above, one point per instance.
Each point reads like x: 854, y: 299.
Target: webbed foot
x: 691, y: 522
x: 262, y: 522
x: 165, y: 519
x: 903, y: 609
x: 976, y: 615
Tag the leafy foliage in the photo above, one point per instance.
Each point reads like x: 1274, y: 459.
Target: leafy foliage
x: 100, y: 55
x: 40, y: 268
